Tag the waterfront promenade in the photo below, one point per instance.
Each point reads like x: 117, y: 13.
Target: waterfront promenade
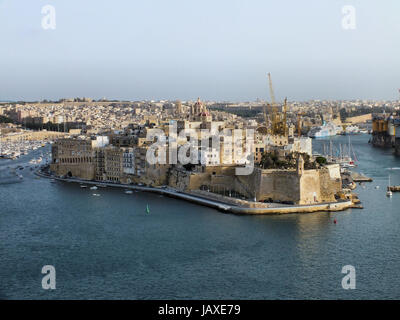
x: 219, y: 205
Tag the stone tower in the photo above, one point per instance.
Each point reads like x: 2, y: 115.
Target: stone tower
x: 178, y: 109
x: 300, y: 165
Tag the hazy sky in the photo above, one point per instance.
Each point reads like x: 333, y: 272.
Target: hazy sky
x: 215, y: 49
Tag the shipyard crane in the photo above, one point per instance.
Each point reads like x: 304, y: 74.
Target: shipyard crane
x: 271, y: 90
x: 285, y: 131
x: 299, y: 115
x: 272, y: 106
x: 278, y: 124
x: 265, y: 116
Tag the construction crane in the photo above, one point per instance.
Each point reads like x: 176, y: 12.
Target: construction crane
x: 271, y: 90
x: 271, y: 106
x: 299, y: 114
x: 278, y: 123
x: 285, y: 131
x: 265, y: 116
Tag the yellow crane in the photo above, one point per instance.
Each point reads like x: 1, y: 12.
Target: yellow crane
x: 265, y: 117
x: 272, y: 106
x: 284, y: 127
x: 278, y: 123
x: 299, y: 115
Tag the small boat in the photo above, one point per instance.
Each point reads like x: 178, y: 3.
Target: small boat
x: 83, y: 186
x: 147, y: 209
x: 389, y: 192
x: 377, y: 187
x: 128, y: 191
x: 93, y: 188
x: 96, y: 194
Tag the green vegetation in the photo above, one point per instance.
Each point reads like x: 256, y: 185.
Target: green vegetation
x: 272, y: 160
x: 321, y: 160
x: 4, y: 119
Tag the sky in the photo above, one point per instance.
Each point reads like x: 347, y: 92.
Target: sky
x: 213, y: 49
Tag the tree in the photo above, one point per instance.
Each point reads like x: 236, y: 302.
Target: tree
x: 321, y: 160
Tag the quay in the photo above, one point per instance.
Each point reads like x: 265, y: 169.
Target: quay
x: 271, y: 209
x: 394, y: 188
x: 359, y: 177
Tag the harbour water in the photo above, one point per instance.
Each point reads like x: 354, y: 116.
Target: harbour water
x: 109, y: 247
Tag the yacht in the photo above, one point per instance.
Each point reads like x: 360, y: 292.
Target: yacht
x: 345, y: 159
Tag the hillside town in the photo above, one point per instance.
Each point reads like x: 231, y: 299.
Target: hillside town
x: 250, y: 154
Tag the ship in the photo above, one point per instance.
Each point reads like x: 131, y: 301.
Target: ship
x: 352, y: 130
x: 326, y: 130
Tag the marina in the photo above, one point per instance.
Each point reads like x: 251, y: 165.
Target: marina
x: 344, y: 154
x: 15, y: 149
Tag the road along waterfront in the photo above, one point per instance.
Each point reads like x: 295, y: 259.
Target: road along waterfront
x: 275, y: 209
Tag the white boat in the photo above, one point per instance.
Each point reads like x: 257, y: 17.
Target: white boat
x: 93, y: 188
x: 128, y: 191
x: 83, y: 186
x: 96, y: 194
x: 389, y: 192
x: 345, y: 160
x: 352, y: 130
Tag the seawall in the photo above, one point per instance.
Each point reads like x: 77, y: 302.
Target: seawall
x: 221, y: 206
